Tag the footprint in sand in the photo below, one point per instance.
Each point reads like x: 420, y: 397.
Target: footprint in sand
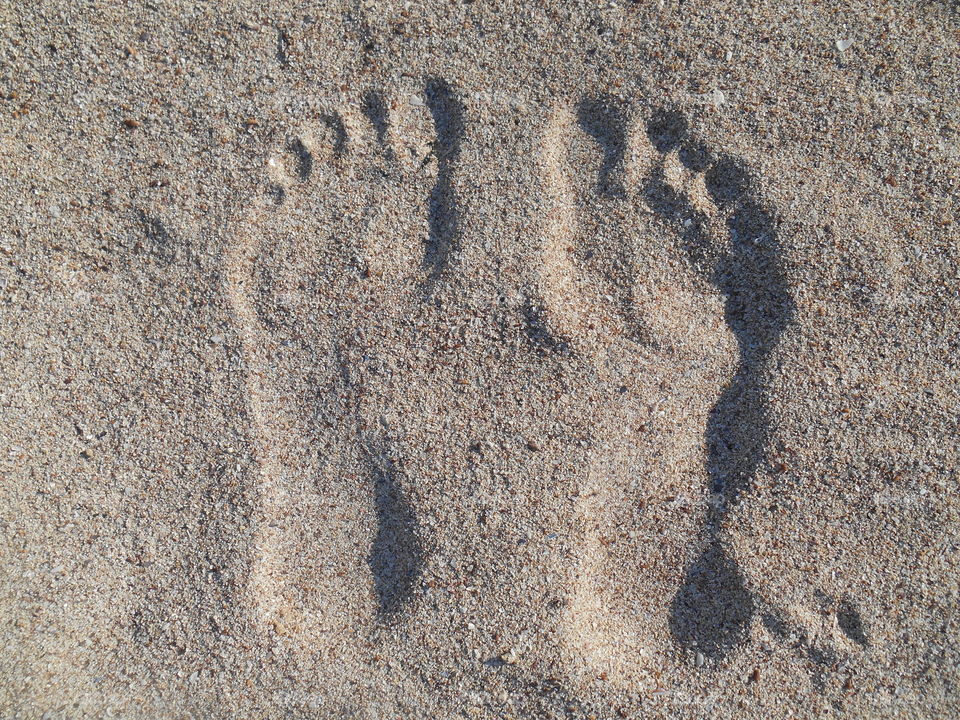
x: 320, y: 273
x: 697, y: 336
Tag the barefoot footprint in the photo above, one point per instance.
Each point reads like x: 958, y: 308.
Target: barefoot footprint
x: 703, y: 198
x: 333, y: 521
x: 697, y: 337
x: 682, y: 420
x: 663, y: 351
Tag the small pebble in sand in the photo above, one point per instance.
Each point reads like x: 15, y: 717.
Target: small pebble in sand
x: 844, y: 44
x: 715, y: 97
x: 698, y: 659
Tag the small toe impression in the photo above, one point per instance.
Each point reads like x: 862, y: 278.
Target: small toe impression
x: 291, y: 164
x: 304, y: 151
x: 666, y: 130
x: 302, y: 159
x: 605, y: 120
x: 851, y: 624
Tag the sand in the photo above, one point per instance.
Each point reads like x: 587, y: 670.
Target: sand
x: 479, y: 360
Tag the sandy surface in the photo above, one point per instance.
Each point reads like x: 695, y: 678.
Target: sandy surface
x: 467, y: 360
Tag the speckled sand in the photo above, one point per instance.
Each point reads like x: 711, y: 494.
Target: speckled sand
x: 479, y: 360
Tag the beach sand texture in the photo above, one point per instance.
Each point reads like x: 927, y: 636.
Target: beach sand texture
x: 479, y: 360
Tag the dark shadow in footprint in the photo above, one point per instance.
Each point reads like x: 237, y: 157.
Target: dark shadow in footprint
x: 283, y: 48
x: 775, y: 624
x: 851, y: 623
x: 335, y: 123
x: 303, y: 157
x: 396, y: 557
x: 276, y: 193
x: 666, y: 130
x: 604, y: 119
x: 538, y: 332
x: 375, y: 109
x: 448, y: 121
x: 160, y: 243
x: 712, y: 611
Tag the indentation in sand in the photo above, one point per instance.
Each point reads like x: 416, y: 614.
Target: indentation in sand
x: 339, y: 170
